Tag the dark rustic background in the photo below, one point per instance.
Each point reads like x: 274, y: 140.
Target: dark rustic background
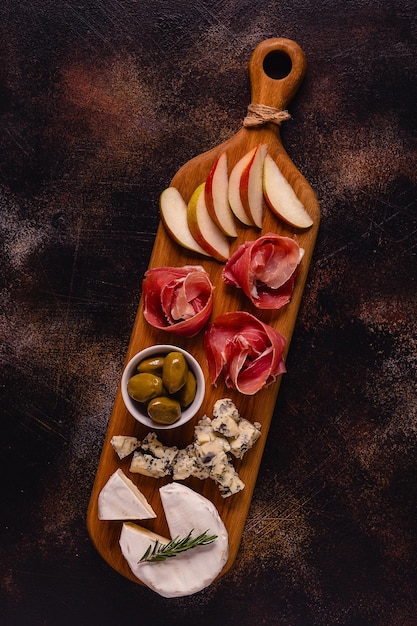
x: 101, y: 102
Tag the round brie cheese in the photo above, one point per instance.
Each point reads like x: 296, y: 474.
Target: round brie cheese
x: 189, y: 571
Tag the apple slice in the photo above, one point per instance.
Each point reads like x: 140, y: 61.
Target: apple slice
x: 235, y: 200
x: 207, y: 234
x: 216, y: 196
x: 251, y: 192
x: 281, y: 197
x: 173, y: 210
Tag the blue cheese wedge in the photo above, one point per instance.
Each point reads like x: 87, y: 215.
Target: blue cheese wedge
x: 190, y: 571
x: 120, y: 499
x: 124, y: 445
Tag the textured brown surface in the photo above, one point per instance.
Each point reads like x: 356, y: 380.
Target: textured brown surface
x: 101, y: 102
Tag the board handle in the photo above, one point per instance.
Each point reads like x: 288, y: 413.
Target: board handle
x: 276, y: 69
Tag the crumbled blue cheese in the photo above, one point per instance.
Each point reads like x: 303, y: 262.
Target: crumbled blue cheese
x: 186, y: 464
x: 153, y: 458
x: 199, y: 470
x: 204, y: 433
x: 226, y: 418
x: 226, y: 408
x: 210, y: 454
x: 152, y: 445
x: 228, y: 481
x: 248, y: 435
x: 148, y: 465
x: 241, y: 433
x: 124, y: 445
x: 211, y: 449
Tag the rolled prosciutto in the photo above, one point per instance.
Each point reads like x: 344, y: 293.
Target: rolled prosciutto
x: 177, y: 299
x: 265, y: 269
x: 246, y: 351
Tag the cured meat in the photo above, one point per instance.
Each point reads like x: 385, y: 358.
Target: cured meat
x: 246, y: 351
x: 265, y: 269
x: 177, y: 299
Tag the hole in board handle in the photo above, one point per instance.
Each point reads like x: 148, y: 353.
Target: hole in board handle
x: 277, y: 64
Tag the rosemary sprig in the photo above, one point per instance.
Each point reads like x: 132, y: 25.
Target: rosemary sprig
x: 161, y: 551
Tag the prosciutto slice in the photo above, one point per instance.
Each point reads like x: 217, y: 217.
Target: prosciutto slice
x: 177, y: 299
x: 265, y: 269
x: 246, y: 351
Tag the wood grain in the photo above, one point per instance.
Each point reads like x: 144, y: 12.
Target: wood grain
x: 276, y: 92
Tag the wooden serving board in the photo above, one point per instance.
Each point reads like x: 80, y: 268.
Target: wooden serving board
x: 259, y: 407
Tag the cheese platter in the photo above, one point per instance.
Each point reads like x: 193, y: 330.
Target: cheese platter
x: 220, y: 209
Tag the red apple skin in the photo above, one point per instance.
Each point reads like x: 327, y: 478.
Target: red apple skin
x: 209, y: 192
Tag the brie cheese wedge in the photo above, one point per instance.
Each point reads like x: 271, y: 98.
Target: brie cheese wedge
x: 120, y: 499
x: 190, y: 571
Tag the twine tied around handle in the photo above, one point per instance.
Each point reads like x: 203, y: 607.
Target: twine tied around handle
x: 261, y: 114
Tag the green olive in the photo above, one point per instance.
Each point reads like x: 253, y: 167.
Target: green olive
x: 164, y: 410
x: 174, y: 371
x: 143, y: 387
x: 187, y: 393
x: 153, y: 365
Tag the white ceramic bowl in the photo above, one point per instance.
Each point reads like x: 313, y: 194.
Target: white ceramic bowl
x: 138, y: 411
